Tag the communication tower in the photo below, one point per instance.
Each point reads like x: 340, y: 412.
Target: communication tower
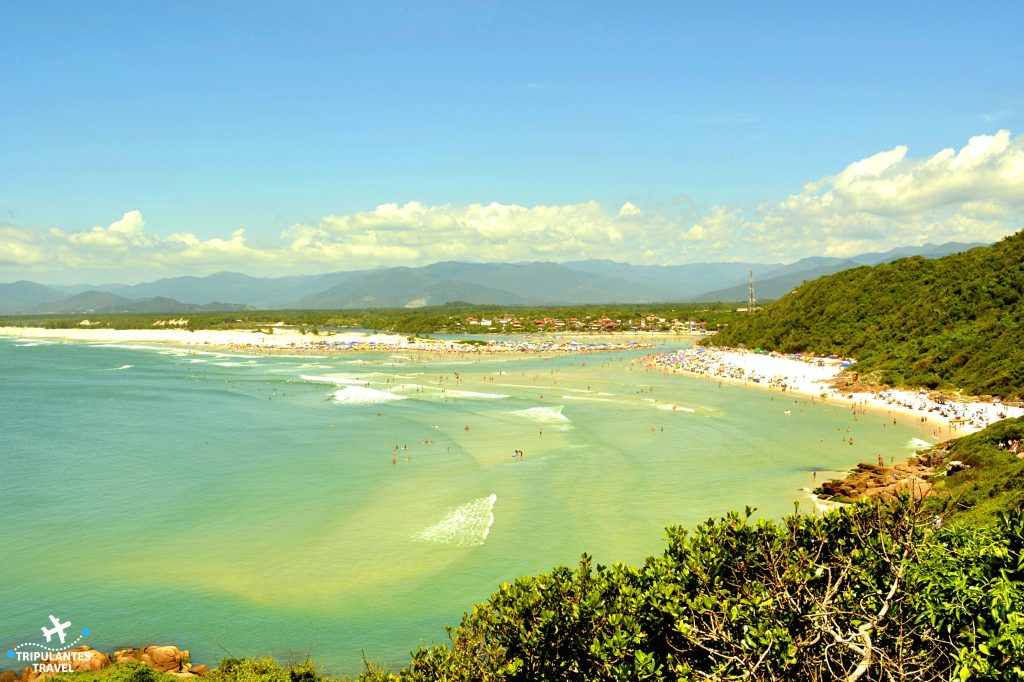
x: 751, y: 301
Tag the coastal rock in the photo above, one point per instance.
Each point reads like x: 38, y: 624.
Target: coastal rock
x: 160, y: 658
x: 168, y: 659
x: 881, y: 481
x: 954, y: 466
x: 86, y: 659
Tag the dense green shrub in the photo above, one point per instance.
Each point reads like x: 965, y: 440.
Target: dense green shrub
x: 869, y: 592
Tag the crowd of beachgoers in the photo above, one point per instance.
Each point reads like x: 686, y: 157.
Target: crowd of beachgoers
x: 394, y: 343
x: 975, y: 416
x: 805, y: 374
x: 816, y: 377
x: 769, y: 369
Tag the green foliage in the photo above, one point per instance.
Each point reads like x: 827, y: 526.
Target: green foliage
x: 264, y: 670
x: 865, y: 592
x: 992, y: 484
x: 954, y: 322
x: 230, y: 670
x: 249, y: 670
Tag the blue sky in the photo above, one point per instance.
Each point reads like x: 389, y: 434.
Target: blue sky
x: 139, y: 138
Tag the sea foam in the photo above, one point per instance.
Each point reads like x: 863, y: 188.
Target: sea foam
x: 360, y: 395
x: 464, y: 526
x: 918, y: 444
x: 674, y: 408
x: 333, y: 380
x: 547, y: 415
x: 474, y: 394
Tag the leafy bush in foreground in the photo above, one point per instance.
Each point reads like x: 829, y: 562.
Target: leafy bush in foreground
x: 868, y: 592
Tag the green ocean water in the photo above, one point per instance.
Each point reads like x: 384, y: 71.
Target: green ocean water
x: 228, y: 505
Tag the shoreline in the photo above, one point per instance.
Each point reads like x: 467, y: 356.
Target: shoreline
x: 287, y: 340
x: 815, y: 378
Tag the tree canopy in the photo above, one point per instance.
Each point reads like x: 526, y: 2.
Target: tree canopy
x: 954, y: 322
x: 871, y: 591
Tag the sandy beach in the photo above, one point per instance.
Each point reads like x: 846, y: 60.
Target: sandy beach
x: 289, y: 340
x: 815, y: 377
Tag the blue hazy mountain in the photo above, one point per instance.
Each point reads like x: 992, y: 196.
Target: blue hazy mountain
x: 541, y: 283
x: 106, y: 302
x: 23, y: 295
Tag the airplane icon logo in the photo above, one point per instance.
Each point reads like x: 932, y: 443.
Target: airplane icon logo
x: 57, y: 629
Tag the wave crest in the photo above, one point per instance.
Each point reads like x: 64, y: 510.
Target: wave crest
x: 464, y: 526
x: 360, y: 395
x: 547, y: 415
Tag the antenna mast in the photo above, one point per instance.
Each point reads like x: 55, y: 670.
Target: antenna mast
x: 751, y: 301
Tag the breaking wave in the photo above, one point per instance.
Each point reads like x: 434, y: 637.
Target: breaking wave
x: 333, y: 380
x: 547, y: 415
x: 474, y: 394
x: 360, y: 395
x: 464, y: 526
x: 674, y: 408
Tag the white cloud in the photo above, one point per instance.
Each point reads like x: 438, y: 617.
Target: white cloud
x: 889, y: 199
x: 884, y: 200
x: 19, y: 246
x: 629, y: 210
x: 119, y: 234
x: 417, y: 233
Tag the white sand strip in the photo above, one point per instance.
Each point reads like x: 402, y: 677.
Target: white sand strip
x: 814, y: 377
x: 291, y: 340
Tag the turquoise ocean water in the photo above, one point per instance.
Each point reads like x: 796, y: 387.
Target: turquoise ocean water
x: 248, y: 505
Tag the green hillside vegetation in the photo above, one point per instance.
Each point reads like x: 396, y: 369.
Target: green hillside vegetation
x: 993, y: 481
x: 953, y: 323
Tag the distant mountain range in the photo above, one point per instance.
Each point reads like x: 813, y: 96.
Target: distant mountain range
x: 537, y: 283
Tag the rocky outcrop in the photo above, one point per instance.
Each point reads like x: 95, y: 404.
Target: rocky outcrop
x: 165, y: 659
x: 884, y: 482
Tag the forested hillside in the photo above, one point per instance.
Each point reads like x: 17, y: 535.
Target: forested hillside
x: 954, y: 322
